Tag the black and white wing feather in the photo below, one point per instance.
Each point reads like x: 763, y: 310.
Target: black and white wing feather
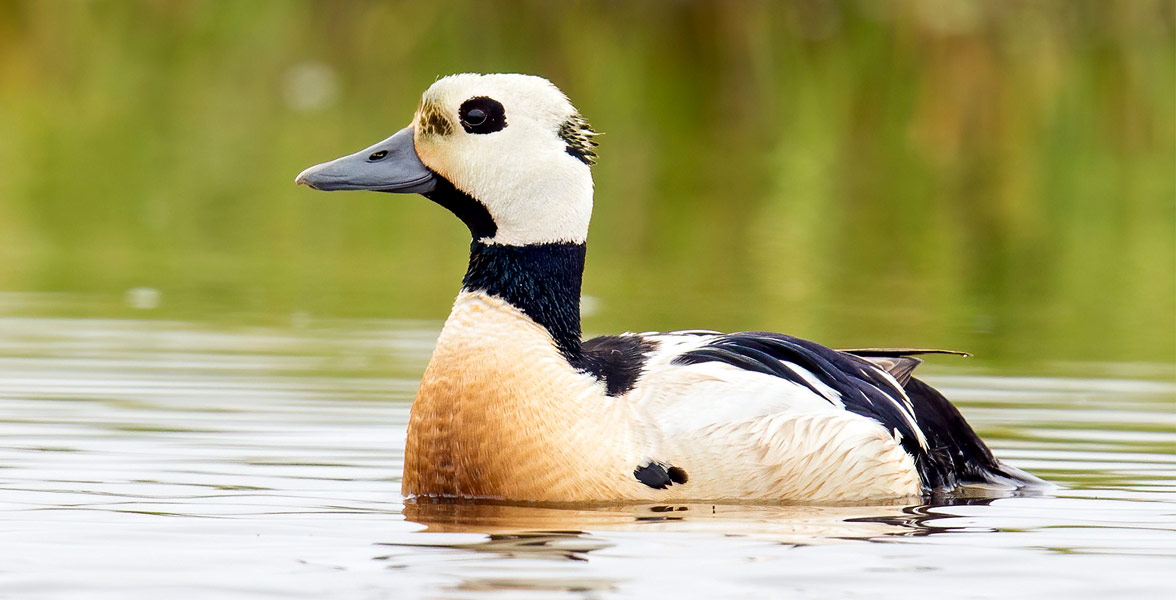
x: 873, y: 383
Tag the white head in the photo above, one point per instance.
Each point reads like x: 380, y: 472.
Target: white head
x: 512, y: 143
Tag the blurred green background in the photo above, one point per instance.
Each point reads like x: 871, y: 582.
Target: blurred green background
x: 998, y: 177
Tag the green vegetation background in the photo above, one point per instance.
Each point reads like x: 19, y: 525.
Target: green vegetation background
x: 998, y: 177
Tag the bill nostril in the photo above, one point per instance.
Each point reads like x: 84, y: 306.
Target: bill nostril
x: 378, y: 155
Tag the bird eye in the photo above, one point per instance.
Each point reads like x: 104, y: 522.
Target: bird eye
x: 475, y: 117
x: 378, y: 155
x: 482, y: 115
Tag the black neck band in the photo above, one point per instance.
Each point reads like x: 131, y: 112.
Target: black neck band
x: 470, y: 211
x: 542, y: 280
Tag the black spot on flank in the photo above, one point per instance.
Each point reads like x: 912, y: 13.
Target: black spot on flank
x: 578, y: 134
x: 482, y: 115
x: 659, y: 476
x: 471, y: 212
x: 617, y: 360
x: 653, y: 475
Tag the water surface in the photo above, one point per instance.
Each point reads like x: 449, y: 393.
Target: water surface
x: 146, y: 459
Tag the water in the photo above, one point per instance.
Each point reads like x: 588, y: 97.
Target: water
x: 146, y: 459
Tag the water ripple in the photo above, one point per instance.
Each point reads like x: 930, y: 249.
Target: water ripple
x: 143, y: 459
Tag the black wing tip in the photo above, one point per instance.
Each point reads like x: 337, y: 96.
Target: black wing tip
x: 659, y: 475
x: 958, y: 456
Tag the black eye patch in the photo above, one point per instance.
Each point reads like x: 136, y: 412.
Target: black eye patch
x: 482, y: 115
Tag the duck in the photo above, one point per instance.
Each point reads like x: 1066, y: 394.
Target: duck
x: 514, y: 406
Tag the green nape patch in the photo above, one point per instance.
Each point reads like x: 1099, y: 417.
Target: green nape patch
x: 431, y: 119
x: 577, y: 133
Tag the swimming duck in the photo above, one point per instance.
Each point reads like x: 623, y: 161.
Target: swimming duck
x: 515, y: 406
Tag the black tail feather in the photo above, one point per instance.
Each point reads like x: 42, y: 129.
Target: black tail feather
x: 957, y: 456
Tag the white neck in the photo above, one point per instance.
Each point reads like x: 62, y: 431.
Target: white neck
x: 538, y: 210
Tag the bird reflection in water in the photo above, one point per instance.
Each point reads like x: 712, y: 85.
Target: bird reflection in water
x: 548, y: 528
x: 472, y: 539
